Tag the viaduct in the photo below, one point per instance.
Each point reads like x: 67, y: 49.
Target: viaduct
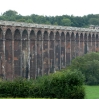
x: 30, y: 50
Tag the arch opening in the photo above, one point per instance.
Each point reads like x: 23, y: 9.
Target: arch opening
x: 8, y: 55
x: 68, y: 46
x: 17, y: 53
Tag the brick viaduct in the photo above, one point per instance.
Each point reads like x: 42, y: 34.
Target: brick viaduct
x: 30, y: 50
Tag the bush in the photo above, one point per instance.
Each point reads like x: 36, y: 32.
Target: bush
x: 65, y: 84
x: 89, y: 66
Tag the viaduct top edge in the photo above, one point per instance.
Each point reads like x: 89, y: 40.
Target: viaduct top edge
x: 31, y: 25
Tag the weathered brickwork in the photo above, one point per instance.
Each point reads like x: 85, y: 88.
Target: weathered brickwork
x: 30, y: 50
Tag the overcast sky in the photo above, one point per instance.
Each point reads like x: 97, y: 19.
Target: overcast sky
x: 51, y: 7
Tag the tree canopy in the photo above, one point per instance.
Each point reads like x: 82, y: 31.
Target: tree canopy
x: 64, y: 20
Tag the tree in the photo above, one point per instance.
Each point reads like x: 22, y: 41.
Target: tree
x: 94, y: 21
x: 10, y: 13
x: 66, y: 22
x: 88, y: 64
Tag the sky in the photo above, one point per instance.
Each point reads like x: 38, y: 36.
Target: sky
x: 51, y: 7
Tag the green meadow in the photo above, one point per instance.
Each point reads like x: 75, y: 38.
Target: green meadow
x: 92, y: 92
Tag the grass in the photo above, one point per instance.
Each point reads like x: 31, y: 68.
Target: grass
x: 92, y: 92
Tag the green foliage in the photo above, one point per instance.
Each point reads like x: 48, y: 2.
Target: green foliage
x: 65, y: 84
x: 88, y: 64
x: 64, y: 20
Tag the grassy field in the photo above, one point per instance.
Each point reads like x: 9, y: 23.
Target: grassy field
x: 92, y: 92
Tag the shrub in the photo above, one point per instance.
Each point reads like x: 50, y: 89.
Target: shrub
x: 65, y: 84
x: 88, y: 64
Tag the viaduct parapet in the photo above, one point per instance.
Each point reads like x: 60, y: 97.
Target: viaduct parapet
x: 31, y: 50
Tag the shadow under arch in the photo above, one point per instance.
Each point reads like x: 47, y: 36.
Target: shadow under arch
x: 51, y: 51
x: 25, y: 69
x: 68, y: 46
x: 1, y: 54
x: 46, y: 68
x: 32, y: 55
x: 39, y: 53
x: 97, y: 43
x: 81, y: 50
x: 77, y: 46
x: 8, y: 55
x: 89, y: 48
x: 85, y: 43
x: 57, y: 51
x: 63, y: 50
x: 17, y: 53
x: 93, y: 42
x: 72, y: 46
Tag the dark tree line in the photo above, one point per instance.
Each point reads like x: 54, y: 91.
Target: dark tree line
x: 64, y: 20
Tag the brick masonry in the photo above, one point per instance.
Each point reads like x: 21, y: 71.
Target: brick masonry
x: 31, y: 50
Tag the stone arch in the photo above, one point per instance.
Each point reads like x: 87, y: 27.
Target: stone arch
x: 45, y: 53
x: 81, y: 50
x: 62, y: 50
x: 25, y: 54
x: 17, y: 53
x: 39, y: 53
x: 32, y: 55
x: 93, y: 42
x: 89, y: 43
x: 39, y: 35
x: 1, y: 53
x: 8, y: 35
x: 77, y: 45
x: 68, y: 46
x: 72, y: 45
x: 8, y: 54
x: 51, y: 35
x: 57, y: 51
x: 51, y: 51
x: 85, y: 43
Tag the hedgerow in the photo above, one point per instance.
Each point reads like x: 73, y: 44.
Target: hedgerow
x: 64, y: 84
